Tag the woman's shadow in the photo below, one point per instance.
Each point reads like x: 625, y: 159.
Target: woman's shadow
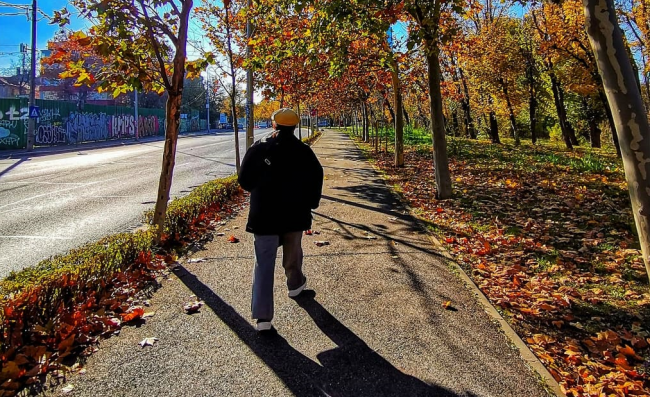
x: 350, y: 369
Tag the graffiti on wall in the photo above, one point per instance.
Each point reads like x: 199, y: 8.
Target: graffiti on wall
x: 122, y: 126
x: 10, y: 123
x: 51, y: 134
x: 148, y: 126
x: 61, y: 123
x: 82, y: 126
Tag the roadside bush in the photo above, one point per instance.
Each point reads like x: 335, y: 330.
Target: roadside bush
x: 312, y: 138
x: 184, y: 212
x: 50, y: 310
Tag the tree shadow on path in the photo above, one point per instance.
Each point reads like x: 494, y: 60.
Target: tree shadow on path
x: 350, y: 369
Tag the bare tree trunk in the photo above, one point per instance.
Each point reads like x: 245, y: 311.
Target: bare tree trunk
x: 532, y: 108
x: 299, y: 123
x: 561, y: 112
x: 440, y: 160
x: 494, y: 128
x: 236, y: 128
x: 610, y: 120
x: 172, y: 122
x: 513, y: 121
x: 627, y: 109
x: 366, y: 127
x: 594, y: 133
x: 399, y: 116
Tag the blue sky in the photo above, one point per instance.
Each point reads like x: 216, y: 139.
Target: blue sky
x: 17, y: 29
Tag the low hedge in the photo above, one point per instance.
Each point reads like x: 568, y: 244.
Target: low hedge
x: 311, y: 139
x: 184, y: 212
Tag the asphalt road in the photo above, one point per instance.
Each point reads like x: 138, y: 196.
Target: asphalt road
x: 54, y: 202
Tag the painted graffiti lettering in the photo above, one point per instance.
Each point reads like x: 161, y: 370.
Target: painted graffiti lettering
x: 122, y: 125
x: 49, y: 114
x: 15, y: 115
x: 10, y: 124
x: 87, y: 127
x: 11, y: 140
x: 51, y: 134
x: 148, y: 126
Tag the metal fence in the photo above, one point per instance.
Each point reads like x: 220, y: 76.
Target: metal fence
x: 62, y: 123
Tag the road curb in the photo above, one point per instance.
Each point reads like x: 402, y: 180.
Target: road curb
x: 526, y: 354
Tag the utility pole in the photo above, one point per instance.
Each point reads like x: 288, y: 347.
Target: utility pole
x: 137, y: 131
x: 207, y: 97
x: 32, y: 82
x: 22, y: 74
x: 250, y: 123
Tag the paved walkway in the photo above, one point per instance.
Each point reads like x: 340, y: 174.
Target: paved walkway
x: 371, y: 324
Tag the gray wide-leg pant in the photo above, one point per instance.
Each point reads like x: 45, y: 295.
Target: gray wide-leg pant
x: 266, y: 249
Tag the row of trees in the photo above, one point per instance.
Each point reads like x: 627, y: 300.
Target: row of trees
x: 462, y: 67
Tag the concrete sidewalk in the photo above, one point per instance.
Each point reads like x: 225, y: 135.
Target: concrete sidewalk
x: 371, y: 324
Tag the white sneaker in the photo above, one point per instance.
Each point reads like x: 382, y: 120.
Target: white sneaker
x: 263, y: 325
x: 295, y: 292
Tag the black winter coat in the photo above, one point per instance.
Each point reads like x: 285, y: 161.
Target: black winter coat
x: 285, y: 180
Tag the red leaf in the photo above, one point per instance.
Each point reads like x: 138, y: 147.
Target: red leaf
x: 133, y: 314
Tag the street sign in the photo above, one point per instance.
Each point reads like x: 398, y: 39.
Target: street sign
x: 248, y: 110
x: 34, y: 112
x: 207, y: 106
x: 222, y: 118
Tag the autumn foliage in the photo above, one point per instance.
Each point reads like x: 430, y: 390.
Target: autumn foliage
x: 546, y: 236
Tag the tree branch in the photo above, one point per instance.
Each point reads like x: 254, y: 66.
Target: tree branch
x: 156, y: 48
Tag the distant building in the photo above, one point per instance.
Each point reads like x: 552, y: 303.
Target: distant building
x: 9, y: 87
x: 55, y: 88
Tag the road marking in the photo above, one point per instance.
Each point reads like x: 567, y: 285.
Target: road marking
x: 58, y: 191
x: 40, y: 237
x: 42, y: 183
x: 93, y: 196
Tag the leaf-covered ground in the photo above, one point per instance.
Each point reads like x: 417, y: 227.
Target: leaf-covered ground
x: 549, y: 237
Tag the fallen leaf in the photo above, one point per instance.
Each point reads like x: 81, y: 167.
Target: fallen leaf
x: 220, y: 234
x: 193, y: 307
x: 148, y: 342
x: 321, y: 243
x: 233, y: 239
x: 67, y: 389
x: 134, y: 313
x: 196, y: 260
x: 627, y: 351
x: 446, y: 305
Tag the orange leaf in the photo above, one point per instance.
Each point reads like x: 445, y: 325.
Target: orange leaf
x: 446, y: 305
x: 66, y: 343
x: 233, y: 239
x: 133, y: 314
x: 621, y: 361
x: 627, y: 351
